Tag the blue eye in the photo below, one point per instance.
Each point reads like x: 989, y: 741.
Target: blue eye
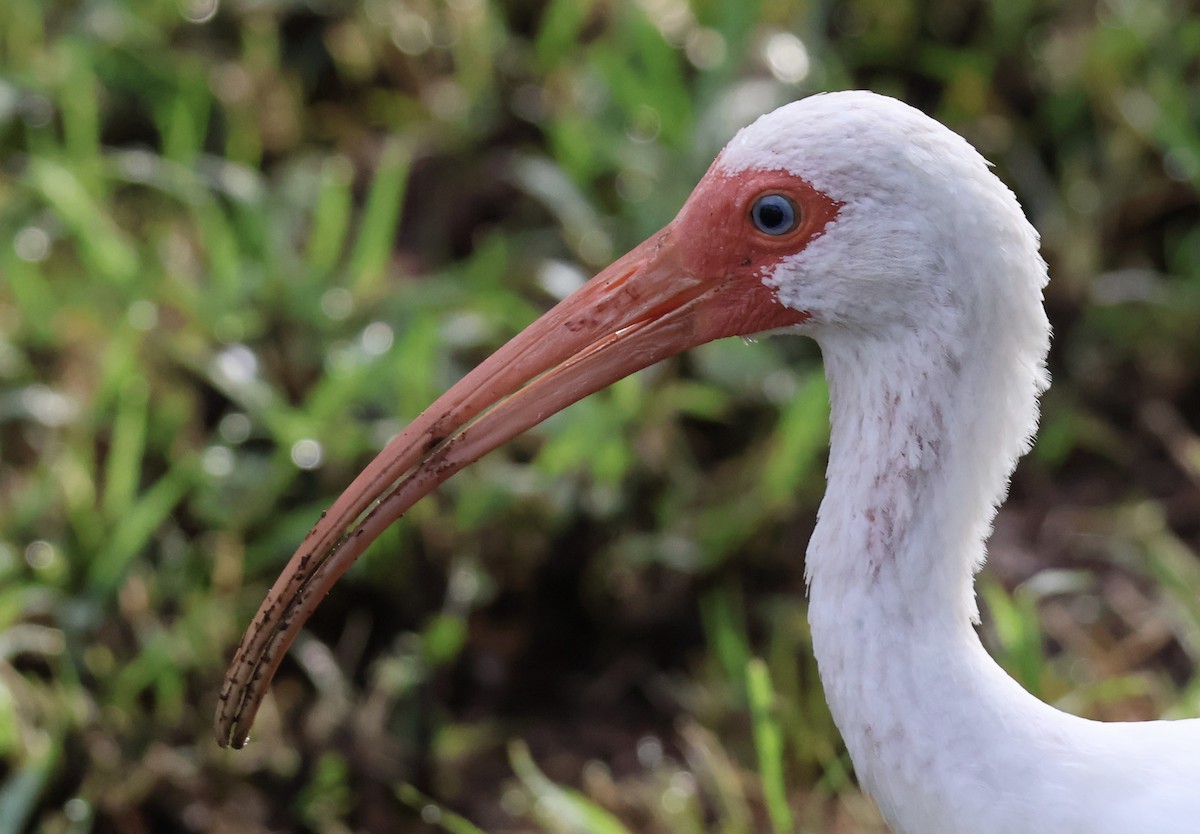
x: 774, y: 214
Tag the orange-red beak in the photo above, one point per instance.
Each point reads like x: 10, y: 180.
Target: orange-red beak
x: 656, y: 301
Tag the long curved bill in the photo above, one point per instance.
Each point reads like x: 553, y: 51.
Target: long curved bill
x: 652, y: 303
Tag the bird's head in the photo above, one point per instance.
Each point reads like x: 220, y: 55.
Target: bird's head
x: 801, y: 224
x: 920, y: 227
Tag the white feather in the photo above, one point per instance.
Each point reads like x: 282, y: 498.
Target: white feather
x: 926, y: 297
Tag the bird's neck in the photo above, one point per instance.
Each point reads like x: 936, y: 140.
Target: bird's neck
x: 912, y: 486
x: 924, y: 437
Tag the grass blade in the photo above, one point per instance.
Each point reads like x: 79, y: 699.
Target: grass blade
x: 373, y: 247
x: 768, y: 741
x: 435, y: 814
x: 562, y: 809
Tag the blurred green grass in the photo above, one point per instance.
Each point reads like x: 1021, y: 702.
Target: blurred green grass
x: 243, y: 243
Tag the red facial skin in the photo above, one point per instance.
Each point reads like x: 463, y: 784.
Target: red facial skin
x: 698, y: 279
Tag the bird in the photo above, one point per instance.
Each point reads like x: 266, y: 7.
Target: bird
x: 855, y: 220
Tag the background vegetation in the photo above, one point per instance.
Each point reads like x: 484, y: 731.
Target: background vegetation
x: 241, y: 244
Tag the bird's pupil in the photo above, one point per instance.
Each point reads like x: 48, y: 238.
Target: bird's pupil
x: 771, y: 215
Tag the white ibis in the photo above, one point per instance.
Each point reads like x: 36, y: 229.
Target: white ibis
x: 857, y: 221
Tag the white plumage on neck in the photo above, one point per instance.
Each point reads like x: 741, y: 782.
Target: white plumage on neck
x: 925, y: 296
